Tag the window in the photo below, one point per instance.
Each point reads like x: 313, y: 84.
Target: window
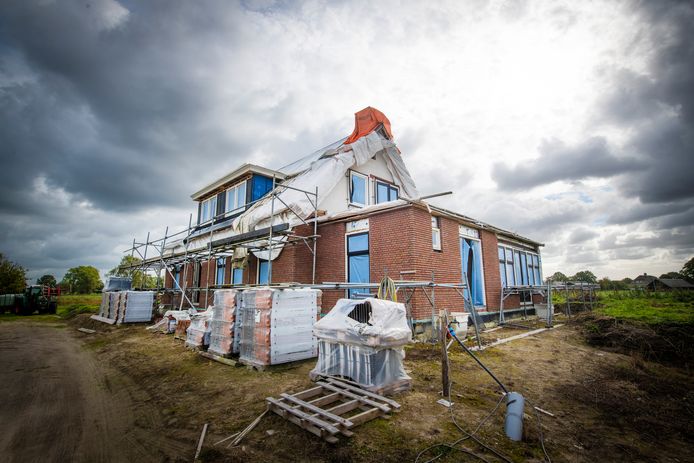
x: 237, y: 276
x: 208, y: 209
x: 385, y: 192
x: 177, y: 276
x: 236, y: 198
x: 357, y: 263
x: 197, y: 277
x: 357, y: 189
x: 221, y: 267
x: 518, y: 268
x: 471, y: 257
x: 263, y: 272
x: 436, y: 233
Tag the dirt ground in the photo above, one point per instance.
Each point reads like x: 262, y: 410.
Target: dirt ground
x: 133, y: 395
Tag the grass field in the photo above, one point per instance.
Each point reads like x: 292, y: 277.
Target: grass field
x: 70, y: 305
x: 648, y: 307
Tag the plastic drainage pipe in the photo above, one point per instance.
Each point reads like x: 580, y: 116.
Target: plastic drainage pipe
x: 514, y: 416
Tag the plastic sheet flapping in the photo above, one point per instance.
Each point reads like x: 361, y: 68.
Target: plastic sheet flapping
x: 117, y: 284
x: 386, y: 325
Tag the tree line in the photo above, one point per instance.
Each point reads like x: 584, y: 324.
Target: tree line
x: 586, y: 276
x: 83, y: 279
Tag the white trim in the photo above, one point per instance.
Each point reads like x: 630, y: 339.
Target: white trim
x: 366, y: 188
x: 244, y: 169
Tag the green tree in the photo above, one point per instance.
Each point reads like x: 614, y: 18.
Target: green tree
x: 673, y: 275
x: 12, y: 277
x: 627, y: 281
x: 558, y: 276
x: 606, y: 283
x: 585, y: 276
x: 688, y: 270
x: 127, y: 268
x: 82, y: 280
x: 47, y: 280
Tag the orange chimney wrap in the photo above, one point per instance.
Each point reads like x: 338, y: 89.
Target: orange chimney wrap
x: 365, y: 121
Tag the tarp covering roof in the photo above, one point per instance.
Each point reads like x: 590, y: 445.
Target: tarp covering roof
x: 366, y: 121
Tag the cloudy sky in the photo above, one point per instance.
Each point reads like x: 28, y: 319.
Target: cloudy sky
x: 571, y: 123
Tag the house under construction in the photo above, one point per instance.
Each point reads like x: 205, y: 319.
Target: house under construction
x: 342, y: 218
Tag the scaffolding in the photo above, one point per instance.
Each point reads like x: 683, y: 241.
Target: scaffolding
x: 580, y: 293
x: 525, y: 295
x: 264, y: 239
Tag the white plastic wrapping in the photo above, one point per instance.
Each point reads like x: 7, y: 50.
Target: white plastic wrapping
x: 362, y: 340
x: 198, y: 332
x: 386, y: 326
x: 223, y: 341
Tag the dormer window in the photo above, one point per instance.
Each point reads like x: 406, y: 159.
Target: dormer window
x: 236, y: 198
x: 357, y: 188
x: 385, y: 192
x: 208, y: 209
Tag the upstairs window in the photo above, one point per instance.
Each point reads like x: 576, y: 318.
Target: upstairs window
x: 236, y: 198
x: 208, y: 209
x: 357, y: 189
x: 436, y: 233
x: 385, y: 192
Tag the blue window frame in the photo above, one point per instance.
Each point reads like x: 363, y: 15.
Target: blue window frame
x: 177, y: 276
x: 237, y: 276
x: 221, y: 267
x: 357, y: 188
x: 357, y: 262
x: 263, y: 272
x: 502, y: 266
x: 385, y: 192
x: 471, y: 257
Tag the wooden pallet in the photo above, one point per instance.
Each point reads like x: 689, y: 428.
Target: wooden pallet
x: 332, y: 407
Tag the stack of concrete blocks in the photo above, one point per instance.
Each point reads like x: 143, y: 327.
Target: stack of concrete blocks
x: 363, y: 341
x: 198, y: 332
x: 276, y: 325
x: 136, y: 306
x: 223, y: 326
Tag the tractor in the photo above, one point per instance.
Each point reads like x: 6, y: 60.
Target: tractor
x: 41, y: 298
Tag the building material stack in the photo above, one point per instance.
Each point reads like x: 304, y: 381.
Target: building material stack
x: 276, y: 325
x: 223, y: 326
x: 198, y: 332
x: 363, y: 340
x: 135, y: 306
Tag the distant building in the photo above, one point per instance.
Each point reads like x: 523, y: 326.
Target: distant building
x: 652, y: 283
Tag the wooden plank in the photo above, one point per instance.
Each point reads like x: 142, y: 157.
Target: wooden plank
x: 304, y: 416
x: 308, y: 393
x: 318, y: 410
x: 345, y: 407
x: 86, y: 330
x: 513, y: 338
x: 325, y: 400
x: 110, y: 321
x: 365, y: 416
x: 351, y: 395
x: 373, y: 395
x: 303, y: 424
x: 217, y: 358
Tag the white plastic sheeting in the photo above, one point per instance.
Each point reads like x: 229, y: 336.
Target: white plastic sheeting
x: 198, y: 333
x: 385, y: 327
x: 362, y: 340
x: 223, y: 326
x: 323, y: 169
x: 127, y: 306
x: 276, y: 325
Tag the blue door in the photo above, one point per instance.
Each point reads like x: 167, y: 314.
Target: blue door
x: 471, y: 256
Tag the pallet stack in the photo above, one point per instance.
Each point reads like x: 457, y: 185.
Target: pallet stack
x: 276, y: 325
x: 198, y: 332
x: 223, y: 326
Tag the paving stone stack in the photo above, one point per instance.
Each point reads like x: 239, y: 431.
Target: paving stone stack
x: 198, y: 332
x: 223, y: 326
x: 276, y: 325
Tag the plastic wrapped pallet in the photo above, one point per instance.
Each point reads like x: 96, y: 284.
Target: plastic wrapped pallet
x: 223, y: 323
x: 363, y: 340
x: 136, y: 306
x: 117, y: 284
x: 276, y: 325
x: 198, y: 332
x: 105, y: 301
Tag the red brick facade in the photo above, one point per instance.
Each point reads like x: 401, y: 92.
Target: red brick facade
x: 400, y: 245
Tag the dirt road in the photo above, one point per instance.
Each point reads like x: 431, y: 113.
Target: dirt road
x: 58, y: 404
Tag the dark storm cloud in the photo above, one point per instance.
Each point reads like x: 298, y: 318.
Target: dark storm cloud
x: 558, y: 161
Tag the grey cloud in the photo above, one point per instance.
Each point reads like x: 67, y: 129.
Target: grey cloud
x: 629, y: 213
x: 558, y: 161
x: 582, y: 234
